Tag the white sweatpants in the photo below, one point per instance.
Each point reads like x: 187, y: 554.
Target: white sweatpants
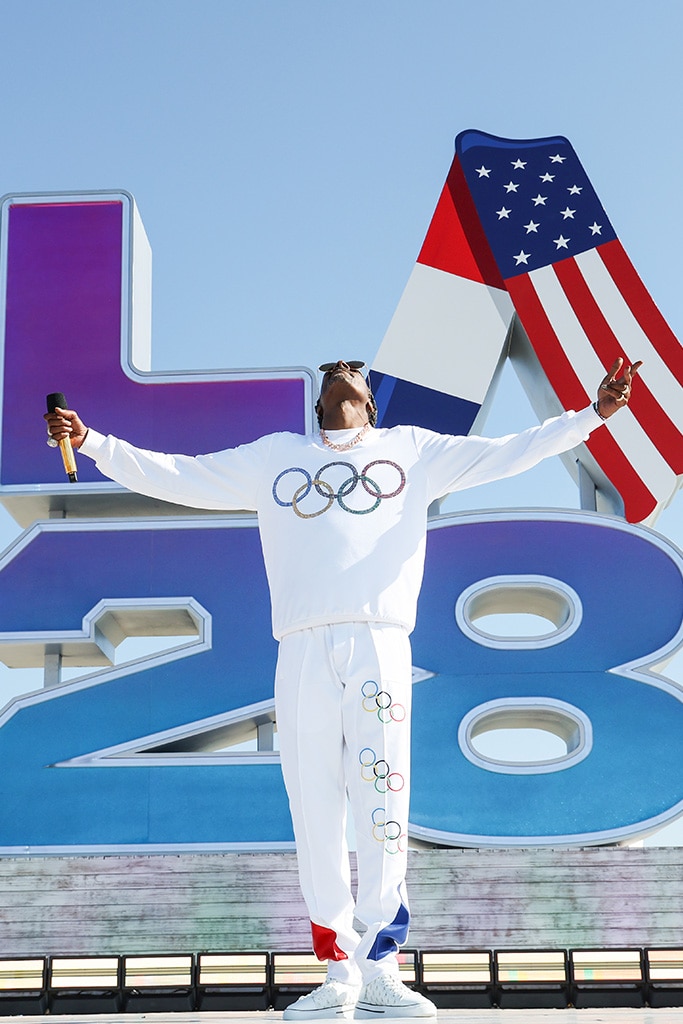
x: 342, y: 696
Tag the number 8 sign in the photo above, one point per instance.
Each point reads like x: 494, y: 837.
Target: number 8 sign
x: 591, y: 681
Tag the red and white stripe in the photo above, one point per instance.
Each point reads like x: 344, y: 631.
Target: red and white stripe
x: 448, y: 332
x: 579, y: 315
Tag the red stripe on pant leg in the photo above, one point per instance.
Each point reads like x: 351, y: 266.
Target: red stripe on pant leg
x: 325, y: 943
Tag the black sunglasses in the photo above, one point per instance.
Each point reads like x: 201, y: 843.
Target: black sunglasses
x: 353, y: 364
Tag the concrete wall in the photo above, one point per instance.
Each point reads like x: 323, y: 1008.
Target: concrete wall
x: 598, y: 896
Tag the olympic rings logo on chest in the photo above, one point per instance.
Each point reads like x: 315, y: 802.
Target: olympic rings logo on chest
x: 317, y: 485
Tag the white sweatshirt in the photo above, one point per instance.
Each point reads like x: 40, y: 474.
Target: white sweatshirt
x: 343, y: 533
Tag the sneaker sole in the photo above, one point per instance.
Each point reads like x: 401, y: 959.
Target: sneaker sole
x: 327, y: 1013
x: 367, y: 1011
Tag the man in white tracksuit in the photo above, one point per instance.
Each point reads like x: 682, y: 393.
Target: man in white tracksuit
x: 342, y: 516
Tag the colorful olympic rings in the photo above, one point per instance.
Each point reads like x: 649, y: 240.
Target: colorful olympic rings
x: 346, y: 488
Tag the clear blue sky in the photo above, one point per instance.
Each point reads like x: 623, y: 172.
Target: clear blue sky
x: 286, y: 157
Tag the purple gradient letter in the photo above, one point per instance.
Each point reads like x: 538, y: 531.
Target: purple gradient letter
x: 76, y: 284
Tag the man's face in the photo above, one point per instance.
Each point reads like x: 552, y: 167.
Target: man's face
x: 343, y: 381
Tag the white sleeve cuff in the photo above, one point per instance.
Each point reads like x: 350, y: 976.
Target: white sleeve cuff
x: 94, y: 442
x: 590, y: 419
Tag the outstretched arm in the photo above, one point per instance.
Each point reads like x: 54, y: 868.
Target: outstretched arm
x: 456, y: 463
x: 226, y: 480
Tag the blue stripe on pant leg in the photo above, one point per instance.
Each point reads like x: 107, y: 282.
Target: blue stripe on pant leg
x: 388, y: 939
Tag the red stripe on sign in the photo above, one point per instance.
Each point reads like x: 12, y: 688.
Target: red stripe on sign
x: 455, y: 240
x: 551, y: 354
x: 639, y: 502
x: 653, y: 419
x: 641, y: 304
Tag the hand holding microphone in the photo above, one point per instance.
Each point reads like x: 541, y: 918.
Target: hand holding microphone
x: 66, y: 430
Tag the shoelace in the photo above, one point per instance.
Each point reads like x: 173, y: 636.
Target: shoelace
x: 388, y: 983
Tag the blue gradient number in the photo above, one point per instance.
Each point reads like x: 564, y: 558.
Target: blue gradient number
x: 126, y: 757
x: 626, y: 779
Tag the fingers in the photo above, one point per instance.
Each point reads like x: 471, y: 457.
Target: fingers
x: 624, y: 382
x: 59, y: 423
x: 65, y: 424
x: 616, y: 366
x: 628, y: 374
x: 614, y: 391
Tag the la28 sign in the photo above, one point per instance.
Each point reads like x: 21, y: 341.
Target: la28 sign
x: 146, y: 756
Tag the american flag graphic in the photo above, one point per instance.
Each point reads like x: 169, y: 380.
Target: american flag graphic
x: 521, y: 219
x: 581, y: 304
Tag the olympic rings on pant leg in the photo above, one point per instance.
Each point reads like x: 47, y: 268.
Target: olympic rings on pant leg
x: 392, y: 782
x: 388, y: 832
x: 367, y: 758
x: 369, y: 691
x: 380, y: 701
x: 379, y: 772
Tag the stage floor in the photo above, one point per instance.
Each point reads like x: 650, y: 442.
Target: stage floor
x: 599, y: 1016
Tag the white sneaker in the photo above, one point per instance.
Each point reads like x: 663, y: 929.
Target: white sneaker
x: 332, y: 999
x: 386, y: 996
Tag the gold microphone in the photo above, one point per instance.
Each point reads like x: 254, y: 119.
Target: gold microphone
x: 57, y: 401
